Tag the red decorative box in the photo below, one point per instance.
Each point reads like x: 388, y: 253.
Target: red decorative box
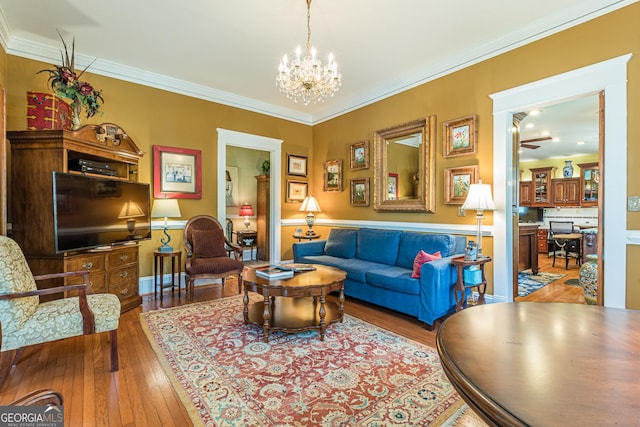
x: 46, y: 111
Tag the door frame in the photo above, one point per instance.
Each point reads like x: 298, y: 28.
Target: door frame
x: 254, y: 142
x: 609, y: 76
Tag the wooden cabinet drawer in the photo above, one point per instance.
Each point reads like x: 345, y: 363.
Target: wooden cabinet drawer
x: 123, y: 275
x: 96, y: 281
x: 124, y: 290
x: 85, y: 262
x: 121, y: 257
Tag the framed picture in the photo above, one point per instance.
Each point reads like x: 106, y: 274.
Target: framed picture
x: 359, y: 155
x: 332, y: 175
x: 296, y: 165
x: 296, y: 191
x: 360, y: 192
x: 460, y: 136
x: 457, y: 182
x: 177, y: 173
x: 392, y: 186
x: 231, y: 186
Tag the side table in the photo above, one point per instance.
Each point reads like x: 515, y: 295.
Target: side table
x: 158, y: 261
x: 460, y: 287
x: 300, y: 237
x: 247, y: 239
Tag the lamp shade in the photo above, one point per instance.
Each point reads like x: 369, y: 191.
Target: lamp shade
x: 310, y: 204
x: 165, y: 208
x: 130, y: 210
x: 479, y: 198
x: 246, y: 210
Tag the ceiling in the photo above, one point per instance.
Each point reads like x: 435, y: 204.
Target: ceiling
x: 573, y: 126
x: 228, y: 51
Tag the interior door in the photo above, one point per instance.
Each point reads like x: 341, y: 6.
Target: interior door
x: 517, y: 118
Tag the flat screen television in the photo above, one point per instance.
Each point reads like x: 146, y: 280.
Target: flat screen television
x: 92, y: 211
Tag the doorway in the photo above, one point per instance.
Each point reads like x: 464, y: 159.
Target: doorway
x: 555, y: 146
x: 610, y: 77
x: 255, y: 142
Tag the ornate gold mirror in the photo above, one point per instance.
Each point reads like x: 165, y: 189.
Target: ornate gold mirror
x: 404, y: 166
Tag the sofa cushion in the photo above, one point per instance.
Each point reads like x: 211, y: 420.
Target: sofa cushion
x: 420, y: 259
x: 341, y: 243
x: 356, y: 269
x: 208, y: 243
x: 411, y: 243
x: 394, y: 278
x: 379, y: 246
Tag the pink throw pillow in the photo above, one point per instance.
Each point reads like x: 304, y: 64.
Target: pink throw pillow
x: 420, y: 259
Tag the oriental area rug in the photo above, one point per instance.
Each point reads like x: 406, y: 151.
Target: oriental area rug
x: 360, y: 375
x: 529, y: 282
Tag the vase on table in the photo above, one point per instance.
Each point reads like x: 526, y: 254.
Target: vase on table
x: 567, y: 170
x: 589, y: 279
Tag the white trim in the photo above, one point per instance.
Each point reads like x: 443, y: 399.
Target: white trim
x: 529, y: 32
x: 611, y: 77
x: 425, y: 227
x: 255, y: 142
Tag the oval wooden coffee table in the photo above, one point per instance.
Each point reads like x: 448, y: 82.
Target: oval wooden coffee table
x: 297, y: 303
x: 545, y: 364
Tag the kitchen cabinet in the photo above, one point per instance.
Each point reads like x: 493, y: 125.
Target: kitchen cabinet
x: 543, y: 241
x: 541, y: 187
x: 589, y: 184
x: 566, y: 191
x: 524, y: 198
x: 528, y: 248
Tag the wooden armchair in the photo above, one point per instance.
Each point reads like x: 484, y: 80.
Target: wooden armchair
x: 25, y: 321
x: 207, y: 252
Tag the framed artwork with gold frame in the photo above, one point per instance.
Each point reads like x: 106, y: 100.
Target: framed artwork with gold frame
x: 360, y: 192
x: 457, y: 182
x: 332, y: 175
x: 460, y: 136
x: 359, y: 155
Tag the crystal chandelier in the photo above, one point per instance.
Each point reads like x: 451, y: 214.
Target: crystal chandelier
x: 304, y: 78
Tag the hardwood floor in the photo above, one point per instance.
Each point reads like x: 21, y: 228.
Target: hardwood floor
x: 140, y: 393
x: 557, y: 291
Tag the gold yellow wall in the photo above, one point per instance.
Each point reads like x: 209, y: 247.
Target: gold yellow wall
x: 155, y: 117
x: 152, y: 116
x: 467, y: 92
x: 558, y: 164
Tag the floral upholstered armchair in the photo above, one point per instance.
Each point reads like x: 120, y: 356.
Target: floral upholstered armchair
x: 25, y: 321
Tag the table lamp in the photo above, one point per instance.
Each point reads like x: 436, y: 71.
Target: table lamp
x: 130, y: 211
x: 165, y: 208
x: 246, y: 211
x: 480, y: 199
x: 310, y: 204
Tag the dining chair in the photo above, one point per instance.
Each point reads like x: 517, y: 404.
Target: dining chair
x: 566, y: 246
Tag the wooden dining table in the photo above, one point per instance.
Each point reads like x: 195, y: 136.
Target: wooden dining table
x: 545, y: 364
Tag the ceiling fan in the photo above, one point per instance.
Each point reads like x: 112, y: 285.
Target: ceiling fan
x: 527, y: 143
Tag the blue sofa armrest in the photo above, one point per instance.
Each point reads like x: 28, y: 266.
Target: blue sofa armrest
x: 302, y: 249
x: 437, y: 280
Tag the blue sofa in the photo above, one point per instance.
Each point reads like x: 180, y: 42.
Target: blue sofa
x: 379, y: 264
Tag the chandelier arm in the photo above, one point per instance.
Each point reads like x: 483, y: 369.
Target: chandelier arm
x: 308, y: 26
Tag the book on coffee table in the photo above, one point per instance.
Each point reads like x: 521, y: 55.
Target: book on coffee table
x: 273, y: 272
x: 297, y: 267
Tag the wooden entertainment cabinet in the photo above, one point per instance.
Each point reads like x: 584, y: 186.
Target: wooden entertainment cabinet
x: 34, y: 156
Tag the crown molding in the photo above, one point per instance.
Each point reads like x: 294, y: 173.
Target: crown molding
x: 529, y: 32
